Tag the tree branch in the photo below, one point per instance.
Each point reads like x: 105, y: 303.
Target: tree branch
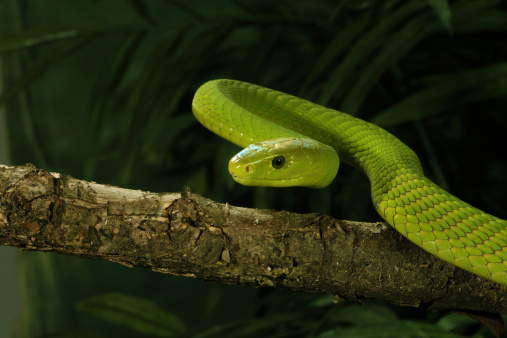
x: 193, y: 236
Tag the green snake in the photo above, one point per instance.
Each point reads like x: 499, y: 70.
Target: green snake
x: 289, y: 141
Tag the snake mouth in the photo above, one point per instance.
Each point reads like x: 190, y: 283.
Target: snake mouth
x: 255, y: 182
x: 244, y: 175
x: 267, y: 182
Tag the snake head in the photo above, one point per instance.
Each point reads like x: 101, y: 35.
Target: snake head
x: 285, y: 162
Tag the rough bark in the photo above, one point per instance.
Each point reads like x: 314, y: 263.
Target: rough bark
x: 186, y: 234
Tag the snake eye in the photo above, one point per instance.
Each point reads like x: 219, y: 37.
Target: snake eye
x: 278, y: 162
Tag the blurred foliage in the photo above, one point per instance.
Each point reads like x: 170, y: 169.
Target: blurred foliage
x: 102, y: 90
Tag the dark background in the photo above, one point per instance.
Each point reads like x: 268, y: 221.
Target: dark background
x: 102, y: 91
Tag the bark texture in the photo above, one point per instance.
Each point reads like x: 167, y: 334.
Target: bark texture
x: 186, y: 234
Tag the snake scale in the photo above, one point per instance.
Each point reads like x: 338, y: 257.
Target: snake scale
x: 420, y: 210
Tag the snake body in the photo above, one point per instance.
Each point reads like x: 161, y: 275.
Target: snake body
x: 416, y: 207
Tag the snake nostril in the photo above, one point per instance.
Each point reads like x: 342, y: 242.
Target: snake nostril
x: 247, y: 169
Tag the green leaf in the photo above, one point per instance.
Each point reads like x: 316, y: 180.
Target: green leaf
x: 262, y: 49
x: 109, y: 79
x: 453, y: 321
x: 488, y: 20
x: 155, y: 93
x: 60, y: 51
x: 323, y: 301
x: 441, y: 7
x: 143, y: 95
x: 374, y: 41
x: 450, y: 91
x: 187, y: 8
x: 398, y: 45
x: 391, y: 329
x: 142, y: 9
x: 339, y: 45
x: 365, y: 315
x: 68, y: 334
x: 56, y: 54
x: 133, y: 312
x: 249, y: 328
x: 43, y: 35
